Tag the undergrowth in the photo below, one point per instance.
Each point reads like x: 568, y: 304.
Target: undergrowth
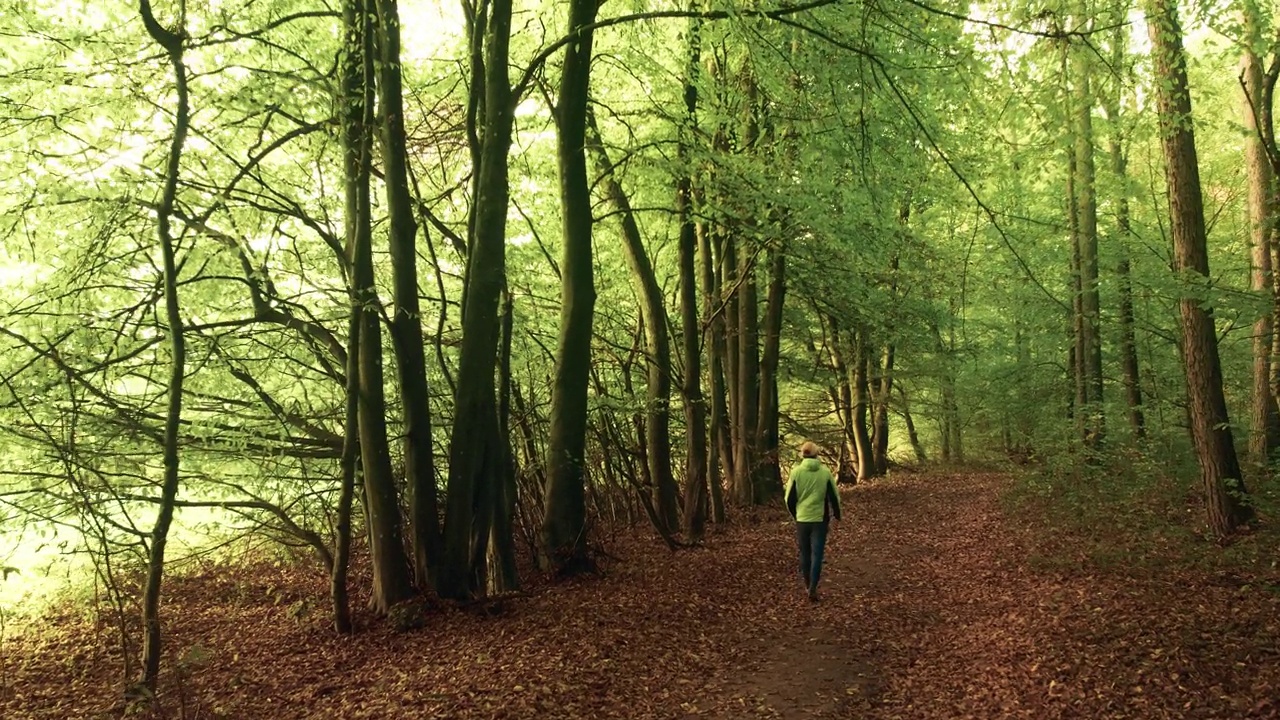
x: 1135, y: 513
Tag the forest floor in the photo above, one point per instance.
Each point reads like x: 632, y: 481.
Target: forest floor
x: 935, y: 604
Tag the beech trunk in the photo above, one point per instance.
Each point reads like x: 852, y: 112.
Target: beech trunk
x: 1222, y: 480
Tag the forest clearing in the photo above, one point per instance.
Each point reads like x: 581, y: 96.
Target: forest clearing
x: 931, y: 610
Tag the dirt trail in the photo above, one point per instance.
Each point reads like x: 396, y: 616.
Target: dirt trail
x: 889, y: 625
x: 930, y: 611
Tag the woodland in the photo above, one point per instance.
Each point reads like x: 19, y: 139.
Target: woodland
x: 365, y: 358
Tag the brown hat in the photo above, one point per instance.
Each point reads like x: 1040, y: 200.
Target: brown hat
x: 809, y: 449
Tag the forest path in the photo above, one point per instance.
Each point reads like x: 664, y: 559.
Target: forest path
x: 931, y: 608
x: 920, y: 593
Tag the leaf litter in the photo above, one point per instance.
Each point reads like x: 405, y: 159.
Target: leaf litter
x: 930, y: 609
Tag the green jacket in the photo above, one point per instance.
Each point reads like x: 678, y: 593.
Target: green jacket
x: 811, y: 492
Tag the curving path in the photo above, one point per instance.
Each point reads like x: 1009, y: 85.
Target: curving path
x: 931, y: 611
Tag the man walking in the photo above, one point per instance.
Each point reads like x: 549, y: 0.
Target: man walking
x: 812, y: 499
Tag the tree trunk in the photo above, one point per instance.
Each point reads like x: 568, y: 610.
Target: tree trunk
x: 1265, y: 425
x: 1129, y: 370
x: 726, y: 331
x: 347, y: 491
x: 502, y: 547
x: 564, y: 533
x: 842, y: 399
x: 952, y: 451
x: 695, y: 408
x: 746, y: 452
x: 880, y: 414
x: 860, y: 385
x: 912, y: 435
x: 1266, y: 128
x: 770, y: 474
x: 174, y: 46
x: 641, y: 454
x: 477, y: 447
x: 1076, y: 405
x: 952, y: 405
x: 1210, y: 426
x: 406, y: 323
x: 747, y: 448
x: 1087, y: 209
x: 884, y: 384
x: 1128, y: 346
x: 731, y: 298
x: 532, y: 496
x: 1080, y: 399
x: 718, y: 453
x: 1128, y: 343
x: 653, y: 314
x: 391, y: 580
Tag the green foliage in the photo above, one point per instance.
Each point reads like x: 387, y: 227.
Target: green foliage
x: 1134, y: 512
x: 910, y: 165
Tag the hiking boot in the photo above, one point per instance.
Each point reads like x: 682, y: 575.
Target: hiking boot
x: 813, y: 595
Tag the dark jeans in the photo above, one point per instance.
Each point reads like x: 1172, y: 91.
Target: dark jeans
x: 812, y: 539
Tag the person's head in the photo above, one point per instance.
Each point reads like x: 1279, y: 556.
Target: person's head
x: 809, y: 449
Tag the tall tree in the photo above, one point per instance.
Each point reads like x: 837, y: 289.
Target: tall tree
x: 406, y: 324
x: 880, y: 397
x: 883, y: 391
x: 173, y: 41
x: 477, y: 447
x: 653, y: 316
x: 1086, y: 204
x: 952, y: 450
x: 719, y: 464
x: 744, y: 312
x: 391, y: 580
x: 1076, y: 409
x: 697, y: 478
x: 769, y: 477
x: 346, y: 492
x: 746, y: 391
x: 504, y: 575
x: 727, y: 311
x: 1265, y: 426
x: 1223, y: 483
x: 860, y: 384
x: 1265, y: 125
x: 564, y: 541
x: 842, y: 401
x: 1128, y: 349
